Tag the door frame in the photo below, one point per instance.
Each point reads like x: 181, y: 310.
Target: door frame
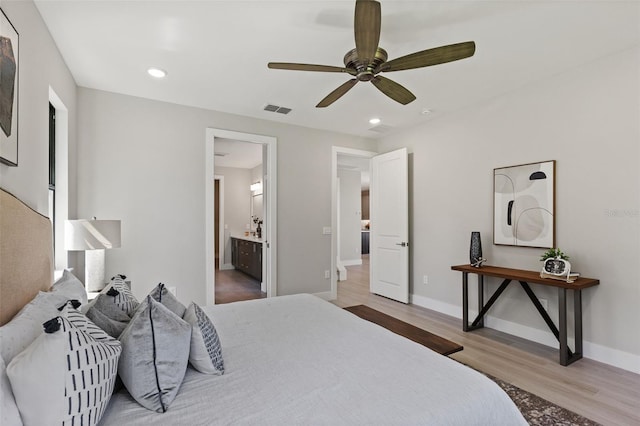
x: 222, y: 266
x: 335, y: 151
x: 269, y: 245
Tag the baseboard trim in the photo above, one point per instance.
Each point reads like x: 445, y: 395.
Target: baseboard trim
x: 226, y: 266
x: 594, y: 351
x: 351, y: 262
x: 326, y: 295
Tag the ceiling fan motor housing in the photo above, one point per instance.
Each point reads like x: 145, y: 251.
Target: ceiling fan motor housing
x: 365, y: 71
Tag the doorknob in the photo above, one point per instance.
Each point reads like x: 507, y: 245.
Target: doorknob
x: 403, y: 244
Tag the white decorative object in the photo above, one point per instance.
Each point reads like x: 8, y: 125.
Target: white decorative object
x: 94, y: 237
x: 558, y: 268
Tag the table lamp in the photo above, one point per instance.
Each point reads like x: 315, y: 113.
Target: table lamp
x: 93, y: 237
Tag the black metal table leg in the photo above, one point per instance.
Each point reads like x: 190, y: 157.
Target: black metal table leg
x: 465, y: 301
x: 480, y: 299
x: 577, y: 315
x: 480, y: 318
x: 562, y: 312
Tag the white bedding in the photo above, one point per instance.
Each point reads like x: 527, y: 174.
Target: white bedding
x: 298, y: 360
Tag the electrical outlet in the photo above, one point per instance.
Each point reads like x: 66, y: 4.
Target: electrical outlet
x: 327, y: 274
x: 173, y: 290
x: 545, y: 304
x: 425, y: 279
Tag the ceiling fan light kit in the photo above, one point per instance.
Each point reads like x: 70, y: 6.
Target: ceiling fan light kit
x: 368, y: 59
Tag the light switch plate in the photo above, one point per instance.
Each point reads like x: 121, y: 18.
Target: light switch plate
x: 326, y: 230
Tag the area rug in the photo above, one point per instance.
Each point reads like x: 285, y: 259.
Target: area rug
x: 540, y: 412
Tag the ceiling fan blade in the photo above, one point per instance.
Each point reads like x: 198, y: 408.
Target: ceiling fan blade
x: 367, y: 29
x: 308, y: 67
x: 337, y: 94
x: 393, y: 90
x: 425, y: 58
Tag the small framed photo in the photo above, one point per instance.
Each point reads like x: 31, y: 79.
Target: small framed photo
x: 524, y: 205
x: 9, y: 53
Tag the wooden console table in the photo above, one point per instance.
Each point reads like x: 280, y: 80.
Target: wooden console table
x: 524, y: 278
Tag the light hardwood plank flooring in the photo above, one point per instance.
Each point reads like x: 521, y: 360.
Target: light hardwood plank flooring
x: 233, y: 286
x: 598, y: 391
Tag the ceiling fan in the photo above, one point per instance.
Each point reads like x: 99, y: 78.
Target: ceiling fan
x: 368, y: 60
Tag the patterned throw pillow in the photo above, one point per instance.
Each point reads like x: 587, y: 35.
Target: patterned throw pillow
x: 155, y: 354
x: 83, y: 323
x: 206, y: 351
x: 162, y: 294
x: 122, y: 295
x: 69, y: 373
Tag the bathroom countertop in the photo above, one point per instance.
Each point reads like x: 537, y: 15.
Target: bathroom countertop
x: 249, y: 238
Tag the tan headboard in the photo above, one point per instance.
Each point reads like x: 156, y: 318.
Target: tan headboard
x: 26, y: 255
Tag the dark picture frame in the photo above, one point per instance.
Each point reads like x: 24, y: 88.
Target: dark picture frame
x: 9, y: 73
x: 524, y: 205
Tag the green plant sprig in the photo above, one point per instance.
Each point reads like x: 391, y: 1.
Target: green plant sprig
x: 553, y: 253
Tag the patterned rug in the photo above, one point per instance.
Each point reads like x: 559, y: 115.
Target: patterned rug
x: 540, y: 412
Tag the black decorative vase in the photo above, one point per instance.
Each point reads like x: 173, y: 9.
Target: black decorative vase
x: 259, y: 231
x: 475, y: 249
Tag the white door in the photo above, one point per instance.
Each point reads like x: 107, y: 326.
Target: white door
x: 389, y: 233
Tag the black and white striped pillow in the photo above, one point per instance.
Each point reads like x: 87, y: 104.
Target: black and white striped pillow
x: 68, y: 372
x: 122, y: 296
x: 206, y: 351
x: 81, y: 321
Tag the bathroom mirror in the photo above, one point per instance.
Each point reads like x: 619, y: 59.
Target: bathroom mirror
x: 256, y: 209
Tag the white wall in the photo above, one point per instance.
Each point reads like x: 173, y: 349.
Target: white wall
x: 142, y: 161
x: 350, y: 206
x: 588, y: 120
x: 41, y: 67
x: 237, y: 204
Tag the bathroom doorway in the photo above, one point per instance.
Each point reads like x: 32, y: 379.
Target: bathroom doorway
x: 241, y: 205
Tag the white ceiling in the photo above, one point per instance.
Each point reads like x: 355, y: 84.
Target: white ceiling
x: 238, y: 154
x: 216, y: 52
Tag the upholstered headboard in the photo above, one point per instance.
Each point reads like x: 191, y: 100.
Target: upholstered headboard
x: 26, y: 255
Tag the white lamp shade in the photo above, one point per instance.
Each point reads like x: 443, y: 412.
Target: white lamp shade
x: 93, y: 234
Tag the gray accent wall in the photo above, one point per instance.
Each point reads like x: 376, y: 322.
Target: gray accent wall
x: 142, y: 161
x: 588, y: 120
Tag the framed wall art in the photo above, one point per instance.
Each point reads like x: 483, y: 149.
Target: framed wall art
x: 524, y: 205
x: 8, y: 91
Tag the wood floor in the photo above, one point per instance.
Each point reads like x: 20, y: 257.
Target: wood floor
x: 602, y: 393
x: 233, y: 286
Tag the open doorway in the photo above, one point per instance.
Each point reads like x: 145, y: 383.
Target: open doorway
x: 238, y: 214
x: 241, y: 204
x: 350, y: 221
x: 388, y: 271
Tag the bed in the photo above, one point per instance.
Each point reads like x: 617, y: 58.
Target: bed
x: 301, y: 360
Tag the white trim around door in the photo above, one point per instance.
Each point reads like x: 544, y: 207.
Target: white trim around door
x: 269, y: 250
x: 335, y: 151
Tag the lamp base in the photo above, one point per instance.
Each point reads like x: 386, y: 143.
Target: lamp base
x: 94, y: 270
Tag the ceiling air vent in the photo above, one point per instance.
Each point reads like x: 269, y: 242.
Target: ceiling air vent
x: 278, y: 109
x: 381, y: 128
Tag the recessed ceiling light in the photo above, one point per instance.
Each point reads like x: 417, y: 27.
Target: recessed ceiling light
x: 157, y: 72
x: 425, y: 111
x: 374, y: 121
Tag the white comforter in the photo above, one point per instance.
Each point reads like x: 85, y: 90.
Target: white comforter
x: 298, y: 360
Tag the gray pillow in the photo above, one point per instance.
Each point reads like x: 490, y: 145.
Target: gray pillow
x: 155, y: 354
x: 162, y: 294
x: 206, y: 351
x: 108, y: 316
